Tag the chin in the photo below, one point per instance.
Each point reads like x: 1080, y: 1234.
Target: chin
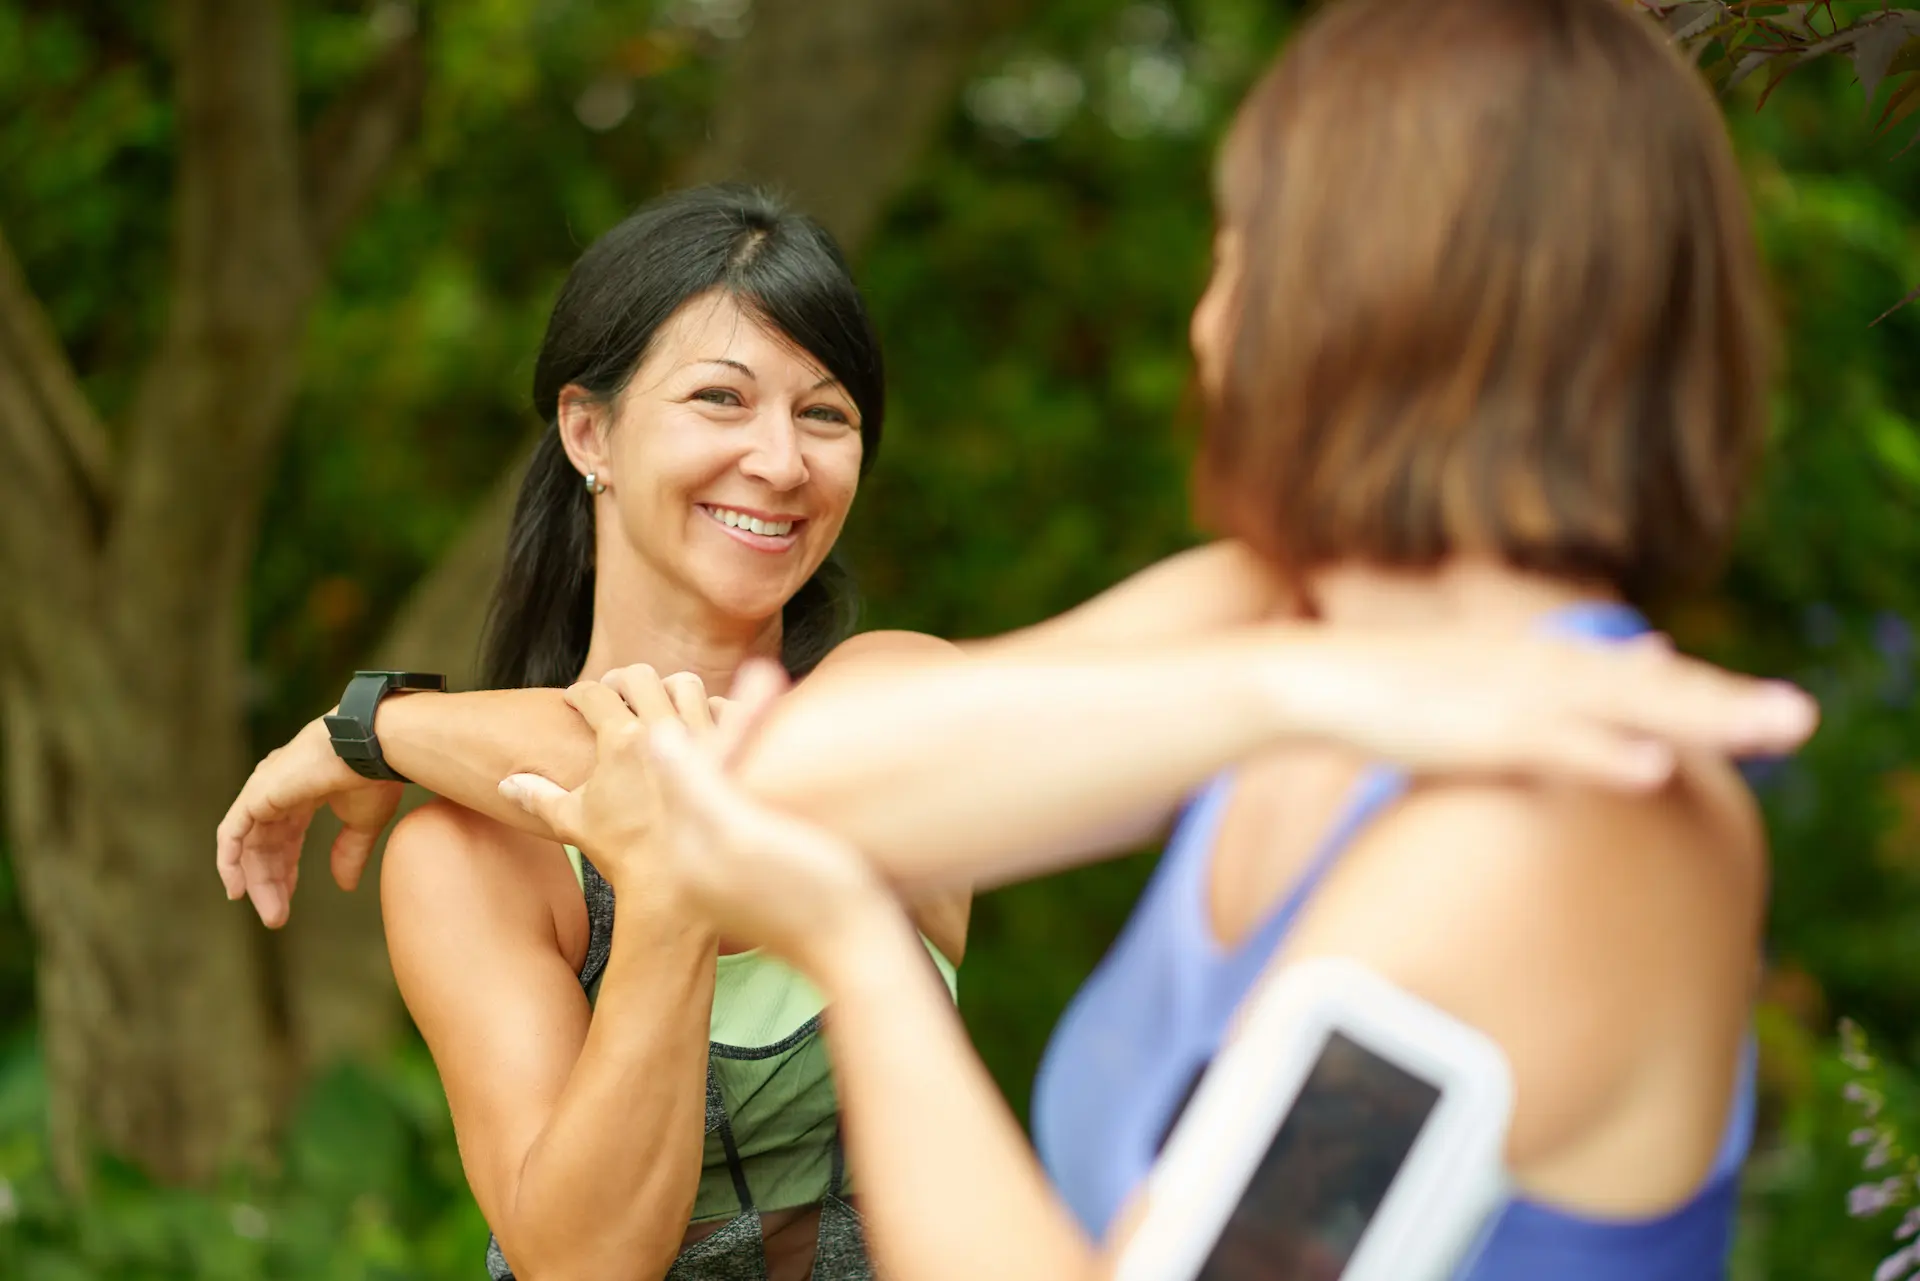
x: 750, y: 602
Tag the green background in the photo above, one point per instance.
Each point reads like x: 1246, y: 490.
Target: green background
x: 1032, y: 285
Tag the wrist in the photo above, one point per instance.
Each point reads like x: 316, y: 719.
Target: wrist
x: 871, y: 937
x: 1297, y: 683
x: 315, y: 742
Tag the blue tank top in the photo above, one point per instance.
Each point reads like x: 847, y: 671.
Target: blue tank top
x: 1136, y: 1038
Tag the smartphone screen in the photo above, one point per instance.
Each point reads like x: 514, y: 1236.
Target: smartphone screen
x: 1328, y: 1169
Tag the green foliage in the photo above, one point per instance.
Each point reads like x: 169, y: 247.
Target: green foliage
x: 371, y: 1190
x: 1734, y: 39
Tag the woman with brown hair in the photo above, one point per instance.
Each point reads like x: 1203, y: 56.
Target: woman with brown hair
x: 1486, y: 349
x: 1485, y: 358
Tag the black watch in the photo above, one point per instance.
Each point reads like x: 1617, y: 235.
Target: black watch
x: 351, y: 728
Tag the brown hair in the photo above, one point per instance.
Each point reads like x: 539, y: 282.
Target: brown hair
x: 1499, y: 294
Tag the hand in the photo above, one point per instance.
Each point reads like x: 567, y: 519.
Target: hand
x: 1614, y: 715
x: 759, y: 875
x: 612, y: 812
x: 258, y: 843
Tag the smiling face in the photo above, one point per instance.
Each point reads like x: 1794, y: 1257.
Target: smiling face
x: 730, y: 459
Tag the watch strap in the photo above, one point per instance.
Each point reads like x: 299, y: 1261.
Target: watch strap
x: 351, y: 727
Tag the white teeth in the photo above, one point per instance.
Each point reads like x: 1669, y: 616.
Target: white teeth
x: 740, y: 520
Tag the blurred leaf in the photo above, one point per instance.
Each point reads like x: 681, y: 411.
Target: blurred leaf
x: 1874, y: 50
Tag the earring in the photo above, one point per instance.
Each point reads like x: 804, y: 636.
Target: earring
x: 594, y: 484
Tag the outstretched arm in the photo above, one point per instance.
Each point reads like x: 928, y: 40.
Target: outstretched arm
x: 1017, y: 756
x: 1542, y: 895
x: 460, y: 746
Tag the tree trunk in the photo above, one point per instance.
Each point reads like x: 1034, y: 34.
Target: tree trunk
x: 157, y: 1038
x: 122, y: 650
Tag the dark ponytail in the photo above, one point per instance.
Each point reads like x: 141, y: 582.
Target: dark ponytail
x: 778, y: 264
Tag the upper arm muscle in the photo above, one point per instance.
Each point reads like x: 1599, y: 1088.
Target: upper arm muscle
x: 479, y: 964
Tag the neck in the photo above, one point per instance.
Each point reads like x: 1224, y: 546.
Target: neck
x: 1467, y: 592
x: 662, y: 625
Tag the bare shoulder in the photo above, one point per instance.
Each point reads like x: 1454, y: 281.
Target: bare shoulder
x: 446, y: 864
x: 1628, y: 884
x: 868, y: 646
x: 1586, y: 931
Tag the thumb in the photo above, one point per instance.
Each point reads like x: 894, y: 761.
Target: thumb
x: 538, y: 796
x: 756, y: 687
x: 351, y: 849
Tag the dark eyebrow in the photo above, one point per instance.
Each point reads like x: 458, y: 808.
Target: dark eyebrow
x: 828, y: 381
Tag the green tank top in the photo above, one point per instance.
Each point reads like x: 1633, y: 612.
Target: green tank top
x: 773, y: 1156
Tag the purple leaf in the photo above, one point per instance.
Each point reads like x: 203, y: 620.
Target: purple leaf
x: 1685, y: 21
x: 1879, y: 39
x: 1747, y: 65
x: 1867, y: 1200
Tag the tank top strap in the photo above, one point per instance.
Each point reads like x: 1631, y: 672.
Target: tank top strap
x: 1738, y: 1139
x: 1377, y: 787
x: 1191, y: 840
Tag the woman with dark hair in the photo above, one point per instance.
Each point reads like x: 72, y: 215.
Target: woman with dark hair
x: 632, y: 1097
x: 1486, y: 352
x: 1462, y: 443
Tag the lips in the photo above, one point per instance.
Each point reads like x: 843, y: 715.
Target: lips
x: 762, y: 531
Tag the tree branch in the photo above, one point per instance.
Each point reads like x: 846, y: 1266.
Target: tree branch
x: 895, y: 66
x: 214, y: 399
x: 63, y: 454
x: 352, y: 145
x: 54, y: 479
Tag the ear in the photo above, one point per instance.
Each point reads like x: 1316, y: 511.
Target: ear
x: 583, y: 421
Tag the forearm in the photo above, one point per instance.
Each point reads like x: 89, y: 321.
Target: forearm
x: 947, y: 1183
x: 991, y: 768
x: 461, y: 745
x: 608, y: 1188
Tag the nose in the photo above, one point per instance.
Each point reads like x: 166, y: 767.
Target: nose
x: 775, y: 458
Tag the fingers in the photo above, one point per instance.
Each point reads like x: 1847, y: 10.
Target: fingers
x: 541, y: 797
x: 600, y: 705
x: 228, y: 840
x: 1592, y: 755
x: 1690, y: 702
x: 351, y: 850
x: 641, y: 688
x: 756, y: 687
x: 265, y: 888
x: 689, y: 699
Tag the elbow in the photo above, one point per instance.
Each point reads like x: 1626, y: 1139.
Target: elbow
x: 543, y: 1238
x: 585, y: 1256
